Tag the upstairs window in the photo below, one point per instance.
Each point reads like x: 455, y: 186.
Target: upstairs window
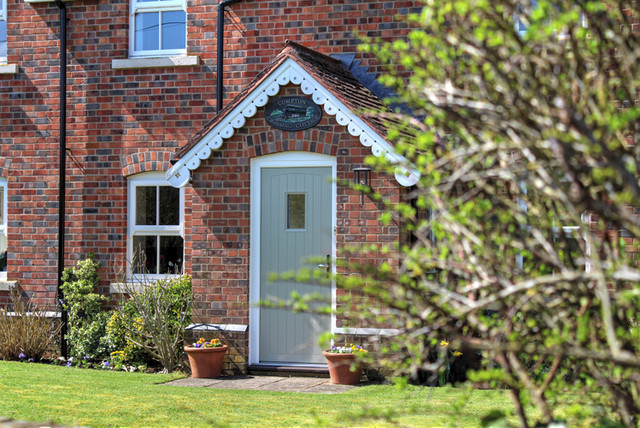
x: 156, y: 226
x: 158, y: 27
x: 524, y: 13
x: 3, y: 31
x: 3, y: 229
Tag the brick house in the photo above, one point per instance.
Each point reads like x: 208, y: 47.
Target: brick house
x: 153, y: 165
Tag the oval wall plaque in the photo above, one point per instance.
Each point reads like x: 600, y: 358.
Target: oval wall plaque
x: 292, y: 113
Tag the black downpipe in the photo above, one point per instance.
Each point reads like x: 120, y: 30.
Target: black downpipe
x: 219, y: 77
x: 63, y: 167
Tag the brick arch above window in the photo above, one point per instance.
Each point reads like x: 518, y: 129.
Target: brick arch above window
x: 148, y: 161
x: 5, y: 164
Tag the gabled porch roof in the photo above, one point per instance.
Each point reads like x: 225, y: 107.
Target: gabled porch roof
x: 330, y: 84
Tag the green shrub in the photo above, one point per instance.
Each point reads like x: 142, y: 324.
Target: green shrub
x: 115, y: 340
x: 87, y: 319
x: 26, y: 333
x: 157, y: 316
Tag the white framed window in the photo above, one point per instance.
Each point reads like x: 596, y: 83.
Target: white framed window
x: 3, y: 32
x: 155, y: 241
x: 524, y: 11
x: 3, y: 229
x: 158, y: 28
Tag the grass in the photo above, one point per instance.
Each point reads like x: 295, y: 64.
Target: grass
x: 72, y: 396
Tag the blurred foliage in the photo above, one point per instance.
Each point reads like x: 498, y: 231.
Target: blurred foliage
x: 523, y: 224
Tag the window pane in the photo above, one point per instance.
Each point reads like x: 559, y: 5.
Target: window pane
x: 174, y: 30
x: 144, y: 254
x: 169, y: 205
x: 295, y: 210
x: 147, y: 31
x: 3, y: 253
x: 146, y: 205
x: 3, y: 39
x: 171, y: 254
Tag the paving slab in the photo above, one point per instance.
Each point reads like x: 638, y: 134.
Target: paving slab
x: 194, y: 382
x: 294, y: 384
x: 266, y: 383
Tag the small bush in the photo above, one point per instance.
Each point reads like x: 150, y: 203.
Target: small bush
x: 122, y: 349
x: 157, y: 316
x: 26, y: 333
x: 87, y: 320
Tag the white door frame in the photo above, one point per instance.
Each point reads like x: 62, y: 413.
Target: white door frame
x: 280, y: 160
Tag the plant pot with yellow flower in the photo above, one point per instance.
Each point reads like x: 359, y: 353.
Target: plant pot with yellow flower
x: 345, y: 368
x: 206, y: 358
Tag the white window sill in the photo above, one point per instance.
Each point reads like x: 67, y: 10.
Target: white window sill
x: 7, y: 285
x: 46, y: 314
x: 239, y: 328
x: 137, y: 286
x: 44, y: 1
x: 367, y: 331
x: 169, y: 61
x: 8, y: 68
x: 126, y: 287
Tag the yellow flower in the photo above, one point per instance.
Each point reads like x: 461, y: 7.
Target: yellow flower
x: 444, y: 343
x: 457, y: 353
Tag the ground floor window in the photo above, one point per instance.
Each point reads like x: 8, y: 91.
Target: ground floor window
x: 156, y: 226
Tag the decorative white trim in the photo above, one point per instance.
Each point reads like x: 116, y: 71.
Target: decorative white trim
x: 168, y: 61
x: 9, y: 69
x: 279, y: 160
x: 289, y: 72
x: 235, y: 328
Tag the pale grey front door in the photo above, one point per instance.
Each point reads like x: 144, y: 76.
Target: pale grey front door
x: 295, y: 211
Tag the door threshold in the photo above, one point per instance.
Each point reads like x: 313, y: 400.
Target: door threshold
x: 288, y: 370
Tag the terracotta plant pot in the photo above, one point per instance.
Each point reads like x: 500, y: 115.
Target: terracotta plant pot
x: 340, y: 368
x: 206, y: 362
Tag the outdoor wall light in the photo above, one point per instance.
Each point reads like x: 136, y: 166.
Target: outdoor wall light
x: 362, y: 176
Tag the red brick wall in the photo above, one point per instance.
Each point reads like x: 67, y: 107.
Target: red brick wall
x: 115, y: 116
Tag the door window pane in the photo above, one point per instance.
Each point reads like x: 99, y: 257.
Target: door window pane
x: 296, y: 211
x: 146, y: 205
x: 147, y: 31
x: 174, y: 29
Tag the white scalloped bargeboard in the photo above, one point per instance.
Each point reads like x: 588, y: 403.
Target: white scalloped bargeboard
x: 289, y: 72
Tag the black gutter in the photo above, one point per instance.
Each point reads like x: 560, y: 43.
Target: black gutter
x: 63, y: 167
x: 219, y: 77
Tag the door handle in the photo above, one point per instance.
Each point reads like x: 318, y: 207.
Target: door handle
x: 326, y: 266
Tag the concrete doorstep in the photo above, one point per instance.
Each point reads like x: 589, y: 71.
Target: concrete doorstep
x: 266, y: 383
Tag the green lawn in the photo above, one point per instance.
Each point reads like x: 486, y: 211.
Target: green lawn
x: 72, y: 396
